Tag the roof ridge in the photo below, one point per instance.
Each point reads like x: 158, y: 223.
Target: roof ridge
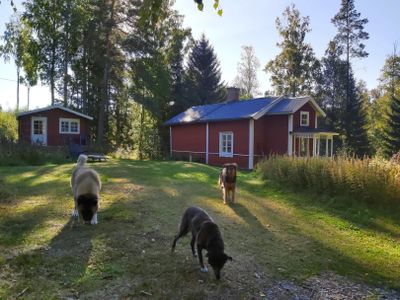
x: 266, y: 108
x: 50, y: 107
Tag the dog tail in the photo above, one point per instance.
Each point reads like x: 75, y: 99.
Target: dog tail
x: 82, y: 159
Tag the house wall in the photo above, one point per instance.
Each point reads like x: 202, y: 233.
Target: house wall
x: 296, y: 124
x: 189, y: 142
x: 270, y: 136
x: 240, y: 131
x: 54, y: 138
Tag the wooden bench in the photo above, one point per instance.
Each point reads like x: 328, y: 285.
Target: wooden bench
x: 96, y: 157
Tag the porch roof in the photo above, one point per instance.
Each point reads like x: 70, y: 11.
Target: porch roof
x: 313, y: 131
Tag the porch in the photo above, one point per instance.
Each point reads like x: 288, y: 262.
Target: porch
x: 312, y: 142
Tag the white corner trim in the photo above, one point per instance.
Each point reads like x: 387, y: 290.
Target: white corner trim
x: 251, y: 144
x: 207, y: 133
x: 290, y: 138
x: 316, y: 121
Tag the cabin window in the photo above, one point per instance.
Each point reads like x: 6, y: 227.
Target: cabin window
x: 226, y: 144
x: 69, y: 126
x: 37, y: 127
x: 304, y: 118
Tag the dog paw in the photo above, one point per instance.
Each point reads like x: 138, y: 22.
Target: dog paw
x: 93, y: 222
x: 75, y: 213
x: 204, y: 270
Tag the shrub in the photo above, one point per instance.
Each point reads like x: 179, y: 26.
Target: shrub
x: 12, y: 154
x: 8, y: 127
x: 374, y: 181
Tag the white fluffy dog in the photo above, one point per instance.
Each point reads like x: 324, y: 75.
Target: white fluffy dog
x: 86, y: 186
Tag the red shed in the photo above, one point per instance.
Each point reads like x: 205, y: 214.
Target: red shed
x: 53, y: 126
x: 245, y: 131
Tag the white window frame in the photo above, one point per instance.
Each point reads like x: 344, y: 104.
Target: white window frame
x: 69, y: 120
x: 221, y: 146
x: 304, y: 113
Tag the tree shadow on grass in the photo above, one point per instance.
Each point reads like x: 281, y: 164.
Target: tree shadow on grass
x: 359, y: 214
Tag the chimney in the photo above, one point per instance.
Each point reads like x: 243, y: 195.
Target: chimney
x: 233, y: 94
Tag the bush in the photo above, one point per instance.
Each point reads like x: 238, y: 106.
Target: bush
x: 12, y: 154
x: 374, y: 181
x: 8, y: 127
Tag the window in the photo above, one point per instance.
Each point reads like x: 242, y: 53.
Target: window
x: 37, y: 127
x: 70, y: 126
x: 304, y: 118
x: 226, y: 144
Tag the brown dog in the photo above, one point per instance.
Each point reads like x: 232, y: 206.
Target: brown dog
x: 206, y: 235
x: 227, y: 181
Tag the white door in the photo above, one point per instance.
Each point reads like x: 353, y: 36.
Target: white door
x: 39, y: 130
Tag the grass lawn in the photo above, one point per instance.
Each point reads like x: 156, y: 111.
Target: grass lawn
x: 271, y: 234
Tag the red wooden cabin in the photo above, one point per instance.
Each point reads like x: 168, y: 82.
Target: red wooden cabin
x: 245, y: 131
x: 53, y: 126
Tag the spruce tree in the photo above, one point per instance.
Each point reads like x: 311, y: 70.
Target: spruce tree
x: 391, y: 80
x: 203, y: 83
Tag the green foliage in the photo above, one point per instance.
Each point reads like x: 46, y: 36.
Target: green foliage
x: 12, y: 154
x: 374, y: 181
x: 8, y: 128
x: 202, y: 80
x: 295, y: 71
x: 391, y: 84
x: 350, y: 31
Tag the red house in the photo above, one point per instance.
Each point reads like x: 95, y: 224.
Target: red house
x: 245, y: 131
x: 53, y: 126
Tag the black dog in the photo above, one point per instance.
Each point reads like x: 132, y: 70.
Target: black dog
x: 206, y: 235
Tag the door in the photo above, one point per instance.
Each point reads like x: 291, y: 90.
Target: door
x: 39, y: 130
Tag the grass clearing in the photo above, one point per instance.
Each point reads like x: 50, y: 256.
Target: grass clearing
x: 272, y: 235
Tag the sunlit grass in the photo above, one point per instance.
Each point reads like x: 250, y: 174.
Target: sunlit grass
x: 270, y: 230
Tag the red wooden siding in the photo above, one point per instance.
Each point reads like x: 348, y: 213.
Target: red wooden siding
x: 240, y: 131
x: 296, y: 124
x: 271, y: 135
x: 54, y: 138
x: 189, y: 142
x: 296, y: 116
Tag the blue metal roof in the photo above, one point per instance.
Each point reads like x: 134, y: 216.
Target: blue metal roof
x: 238, y: 110
x: 288, y: 105
x: 235, y: 110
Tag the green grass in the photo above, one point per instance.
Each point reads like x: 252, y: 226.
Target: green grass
x: 275, y: 233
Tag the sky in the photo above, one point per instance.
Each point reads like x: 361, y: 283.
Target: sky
x: 252, y: 23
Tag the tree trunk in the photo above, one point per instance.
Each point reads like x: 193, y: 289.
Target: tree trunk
x: 140, y: 147
x: 104, y: 84
x: 28, y: 94
x: 18, y: 70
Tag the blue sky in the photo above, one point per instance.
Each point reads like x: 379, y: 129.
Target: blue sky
x: 252, y: 23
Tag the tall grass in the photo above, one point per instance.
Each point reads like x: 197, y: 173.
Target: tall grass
x: 14, y: 154
x: 375, y: 181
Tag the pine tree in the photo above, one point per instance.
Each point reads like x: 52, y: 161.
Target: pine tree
x: 246, y: 79
x: 203, y: 83
x: 295, y: 71
x: 349, y: 43
x: 391, y: 81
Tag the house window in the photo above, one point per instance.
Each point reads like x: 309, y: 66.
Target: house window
x: 37, y: 127
x: 69, y: 126
x: 304, y: 118
x: 226, y: 144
